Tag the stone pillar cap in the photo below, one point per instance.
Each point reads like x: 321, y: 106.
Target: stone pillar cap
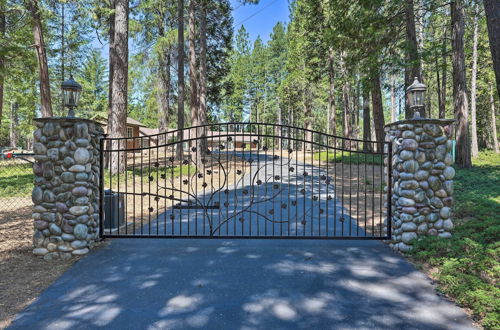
x: 419, y: 120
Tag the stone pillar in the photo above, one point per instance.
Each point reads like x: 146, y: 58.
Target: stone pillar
x: 66, y: 192
x: 422, y: 179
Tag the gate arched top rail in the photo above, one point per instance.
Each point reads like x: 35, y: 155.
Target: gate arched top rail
x: 241, y: 132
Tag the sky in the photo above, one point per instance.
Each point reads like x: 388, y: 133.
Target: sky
x: 260, y: 19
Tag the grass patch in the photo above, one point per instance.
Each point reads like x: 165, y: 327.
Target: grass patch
x: 348, y: 157
x: 16, y: 180
x: 468, y: 265
x: 147, y: 174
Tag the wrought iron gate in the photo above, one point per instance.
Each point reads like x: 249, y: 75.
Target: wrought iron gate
x: 244, y: 180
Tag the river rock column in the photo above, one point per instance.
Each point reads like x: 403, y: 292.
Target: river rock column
x: 422, y: 180
x: 66, y: 192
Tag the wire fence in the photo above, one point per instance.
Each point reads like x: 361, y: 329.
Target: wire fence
x: 16, y: 181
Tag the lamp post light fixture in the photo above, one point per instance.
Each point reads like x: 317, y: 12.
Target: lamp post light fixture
x: 416, y: 94
x: 71, y: 92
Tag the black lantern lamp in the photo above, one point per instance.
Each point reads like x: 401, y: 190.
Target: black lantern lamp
x: 71, y: 91
x: 416, y: 94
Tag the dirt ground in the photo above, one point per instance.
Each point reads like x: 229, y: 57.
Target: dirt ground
x: 22, y: 275
x: 359, y: 189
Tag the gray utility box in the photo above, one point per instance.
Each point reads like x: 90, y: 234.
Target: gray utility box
x: 114, y: 210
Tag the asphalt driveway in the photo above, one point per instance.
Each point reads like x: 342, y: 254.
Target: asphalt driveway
x: 242, y: 284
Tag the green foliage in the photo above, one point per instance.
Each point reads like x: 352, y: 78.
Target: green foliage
x: 469, y: 263
x: 93, y: 78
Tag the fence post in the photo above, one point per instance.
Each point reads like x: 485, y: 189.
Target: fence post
x: 66, y: 193
x: 422, y: 180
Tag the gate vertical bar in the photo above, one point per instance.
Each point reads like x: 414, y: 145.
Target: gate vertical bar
x: 389, y: 191
x: 101, y: 188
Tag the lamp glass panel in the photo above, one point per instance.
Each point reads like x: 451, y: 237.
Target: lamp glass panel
x: 71, y: 97
x: 419, y: 98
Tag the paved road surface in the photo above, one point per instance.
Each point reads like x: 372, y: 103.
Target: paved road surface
x: 242, y: 284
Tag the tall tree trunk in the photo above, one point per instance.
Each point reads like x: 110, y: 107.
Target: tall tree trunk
x: 366, y: 120
x: 307, y: 119
x: 163, y: 82
x: 346, y: 88
x: 332, y: 120
x: 463, y: 158
x: 378, y: 110
x: 3, y: 24
x: 474, y: 146
x: 14, y: 122
x: 202, y: 111
x: 394, y: 116
x: 163, y: 89
x: 180, y: 76
x: 492, y: 10
x: 444, y: 76
x: 193, y: 80
x: 117, y: 120
x: 62, y: 54
x: 111, y: 54
x: 493, y: 120
x: 46, y: 102
x: 438, y: 85
x: 355, y: 109
x: 413, y: 66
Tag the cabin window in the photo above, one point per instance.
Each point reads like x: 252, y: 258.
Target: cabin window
x: 130, y: 132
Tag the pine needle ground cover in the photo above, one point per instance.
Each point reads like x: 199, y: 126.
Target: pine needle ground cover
x: 467, y: 266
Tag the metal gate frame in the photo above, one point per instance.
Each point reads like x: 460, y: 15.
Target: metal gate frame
x: 242, y: 138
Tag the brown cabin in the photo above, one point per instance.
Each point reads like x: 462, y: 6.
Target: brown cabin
x: 133, y: 131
